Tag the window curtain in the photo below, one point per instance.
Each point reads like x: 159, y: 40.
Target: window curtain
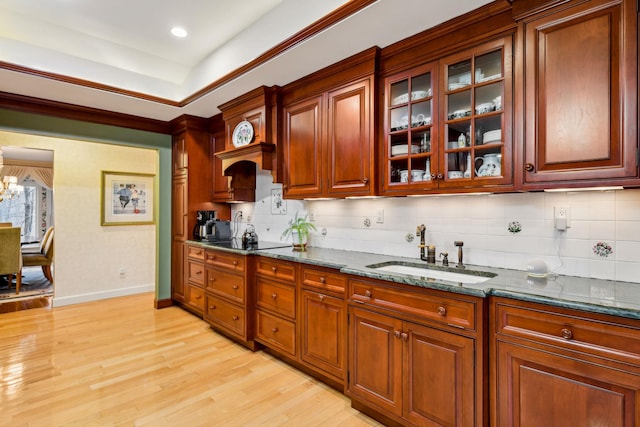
x: 41, y: 175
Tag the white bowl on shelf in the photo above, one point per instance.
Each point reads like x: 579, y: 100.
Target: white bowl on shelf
x: 400, y: 99
x: 417, y: 175
x: 420, y: 94
x: 402, y: 150
x: 492, y: 136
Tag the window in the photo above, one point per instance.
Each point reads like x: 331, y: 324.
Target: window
x: 22, y: 211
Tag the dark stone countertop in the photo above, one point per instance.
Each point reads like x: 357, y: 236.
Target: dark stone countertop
x: 592, y: 295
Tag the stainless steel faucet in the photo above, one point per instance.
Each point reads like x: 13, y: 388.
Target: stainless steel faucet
x: 431, y: 249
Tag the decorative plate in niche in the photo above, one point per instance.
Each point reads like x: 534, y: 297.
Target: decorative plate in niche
x: 602, y: 249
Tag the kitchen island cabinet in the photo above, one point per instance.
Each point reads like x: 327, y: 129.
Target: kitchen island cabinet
x: 553, y: 366
x: 580, y: 94
x: 416, y: 357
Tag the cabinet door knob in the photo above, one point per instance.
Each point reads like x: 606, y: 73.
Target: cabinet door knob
x: 321, y: 297
x: 274, y: 295
x: 404, y: 336
x: 365, y: 180
x: 396, y: 334
x: 234, y: 287
x: 235, y: 263
x: 212, y: 307
x: 529, y: 167
x: 322, y: 279
x: 367, y: 293
x: 274, y: 269
x: 198, y: 272
x: 440, y: 176
x: 199, y: 296
x: 567, y: 334
x: 442, y: 311
x: 212, y: 279
x: 235, y: 318
x: 274, y: 330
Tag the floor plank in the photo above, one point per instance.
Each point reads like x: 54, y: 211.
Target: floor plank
x: 120, y: 362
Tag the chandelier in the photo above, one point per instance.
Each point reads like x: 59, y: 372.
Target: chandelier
x: 9, y: 187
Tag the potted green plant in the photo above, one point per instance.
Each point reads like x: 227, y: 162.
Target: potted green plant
x: 299, y: 228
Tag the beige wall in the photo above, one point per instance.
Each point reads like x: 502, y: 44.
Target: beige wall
x: 89, y: 257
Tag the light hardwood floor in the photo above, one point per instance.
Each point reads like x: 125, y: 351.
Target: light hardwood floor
x: 120, y: 362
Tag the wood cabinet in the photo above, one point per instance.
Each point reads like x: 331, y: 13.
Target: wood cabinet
x: 579, y: 92
x: 219, y: 182
x: 448, y: 123
x: 553, y: 366
x: 276, y: 305
x: 194, y: 290
x: 323, y: 321
x: 416, y: 356
x: 328, y: 133
x: 229, y: 303
x: 190, y: 191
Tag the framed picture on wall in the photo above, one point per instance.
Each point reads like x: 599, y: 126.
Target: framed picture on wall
x: 127, y: 198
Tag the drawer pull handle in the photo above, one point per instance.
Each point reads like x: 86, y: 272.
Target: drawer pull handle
x: 442, y: 311
x: 274, y: 330
x: 198, y: 272
x: 567, y: 334
x: 322, y: 279
x: 212, y: 307
x: 235, y: 317
x: 212, y: 257
x: 396, y: 334
x: 321, y: 297
x: 274, y: 295
x: 212, y: 279
x: 198, y: 296
x: 235, y: 263
x: 404, y: 336
x: 234, y: 287
x: 274, y: 269
x: 199, y: 253
x: 367, y: 293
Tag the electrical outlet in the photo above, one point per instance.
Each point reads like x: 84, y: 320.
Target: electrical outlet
x: 248, y: 218
x: 380, y: 216
x: 123, y: 273
x: 312, y: 216
x: 240, y: 214
x: 561, y: 217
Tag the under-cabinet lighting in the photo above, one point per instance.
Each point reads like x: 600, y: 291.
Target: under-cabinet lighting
x: 450, y: 194
x: 568, y: 190
x: 311, y: 199
x: 363, y: 197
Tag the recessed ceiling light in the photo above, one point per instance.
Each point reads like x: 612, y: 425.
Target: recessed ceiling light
x: 179, y: 32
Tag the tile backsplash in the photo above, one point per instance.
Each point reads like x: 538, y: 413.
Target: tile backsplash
x: 602, y: 239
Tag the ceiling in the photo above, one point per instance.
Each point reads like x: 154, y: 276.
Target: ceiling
x: 119, y: 55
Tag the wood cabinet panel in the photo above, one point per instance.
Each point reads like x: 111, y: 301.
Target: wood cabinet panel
x: 302, y: 147
x: 323, y: 280
x: 196, y: 272
x: 229, y: 316
x: 229, y: 285
x: 276, y: 332
x: 178, y: 270
x: 436, y: 308
x: 276, y: 269
x: 580, y: 94
x: 349, y: 139
x: 195, y: 252
x: 195, y: 298
x: 323, y: 333
x: 275, y: 296
x: 180, y: 209
x: 376, y: 360
x: 220, y: 189
x: 225, y: 260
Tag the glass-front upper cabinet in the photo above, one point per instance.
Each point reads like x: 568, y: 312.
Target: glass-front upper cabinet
x: 448, y: 123
x: 476, y: 131
x: 409, y: 128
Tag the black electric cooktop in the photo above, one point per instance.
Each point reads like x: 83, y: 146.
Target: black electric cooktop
x: 237, y: 244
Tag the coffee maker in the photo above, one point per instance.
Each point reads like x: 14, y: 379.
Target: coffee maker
x: 200, y: 229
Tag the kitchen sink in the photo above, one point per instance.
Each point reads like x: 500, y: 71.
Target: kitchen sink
x: 427, y: 273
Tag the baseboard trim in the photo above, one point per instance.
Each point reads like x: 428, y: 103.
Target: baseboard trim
x: 96, y: 296
x: 163, y: 303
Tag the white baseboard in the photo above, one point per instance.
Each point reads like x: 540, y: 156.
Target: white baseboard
x: 95, y: 296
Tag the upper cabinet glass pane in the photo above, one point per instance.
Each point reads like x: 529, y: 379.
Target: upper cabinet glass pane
x: 459, y: 75
x: 488, y: 67
x: 399, y: 93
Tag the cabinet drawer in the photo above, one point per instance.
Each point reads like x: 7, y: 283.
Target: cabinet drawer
x: 195, y: 252
x: 226, y: 284
x: 195, y: 297
x: 600, y: 335
x: 226, y: 260
x: 225, y: 314
x: 276, y: 332
x: 324, y: 280
x: 196, y: 272
x: 432, y: 307
x: 276, y: 269
x: 276, y: 297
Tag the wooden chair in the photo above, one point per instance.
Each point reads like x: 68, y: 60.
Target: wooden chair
x: 42, y: 258
x: 10, y: 255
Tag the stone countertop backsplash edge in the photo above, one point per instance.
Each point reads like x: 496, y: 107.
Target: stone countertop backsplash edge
x: 579, y: 293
